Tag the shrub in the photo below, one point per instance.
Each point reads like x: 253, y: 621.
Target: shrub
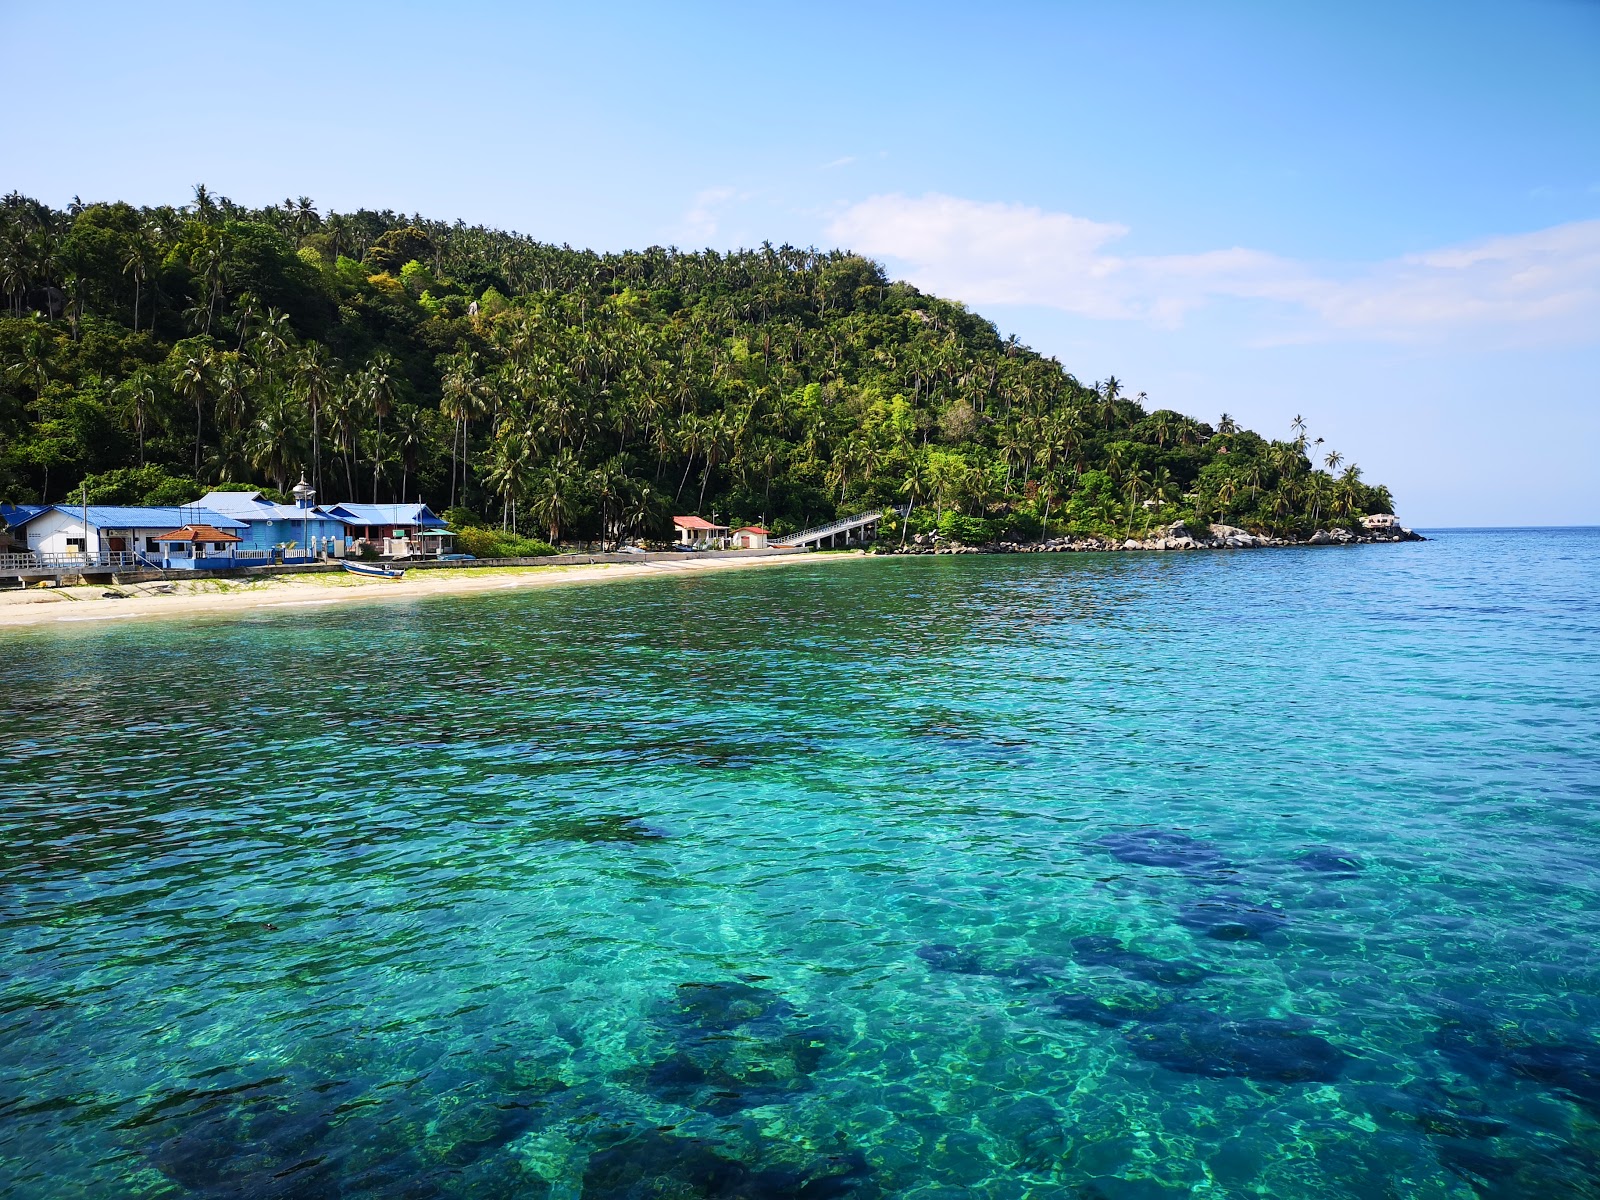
x: 969, y: 531
x: 140, y: 485
x: 1024, y: 526
x: 492, y: 543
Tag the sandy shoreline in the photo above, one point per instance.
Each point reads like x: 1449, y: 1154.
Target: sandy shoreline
x: 212, y: 597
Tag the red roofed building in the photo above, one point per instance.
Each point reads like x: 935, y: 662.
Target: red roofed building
x: 750, y: 537
x: 190, y: 545
x: 697, y: 531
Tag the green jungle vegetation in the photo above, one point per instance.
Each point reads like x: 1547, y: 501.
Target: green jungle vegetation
x: 152, y: 353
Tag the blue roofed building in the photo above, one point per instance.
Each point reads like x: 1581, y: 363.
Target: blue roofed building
x: 12, y: 516
x: 394, y: 530
x: 130, y: 536
x: 293, y: 529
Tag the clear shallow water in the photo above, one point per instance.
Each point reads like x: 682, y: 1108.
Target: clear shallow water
x: 804, y: 882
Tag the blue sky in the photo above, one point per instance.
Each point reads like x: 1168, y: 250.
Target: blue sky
x: 1385, y: 217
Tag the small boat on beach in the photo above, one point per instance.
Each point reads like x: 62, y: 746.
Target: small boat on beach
x: 372, y: 569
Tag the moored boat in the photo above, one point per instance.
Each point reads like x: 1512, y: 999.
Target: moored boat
x: 372, y: 569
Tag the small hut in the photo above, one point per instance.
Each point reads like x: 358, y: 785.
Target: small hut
x: 697, y: 531
x: 750, y: 537
x: 194, y: 545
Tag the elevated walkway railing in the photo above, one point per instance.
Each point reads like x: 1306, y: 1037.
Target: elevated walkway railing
x: 842, y: 525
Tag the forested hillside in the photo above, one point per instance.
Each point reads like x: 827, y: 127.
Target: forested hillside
x: 155, y: 352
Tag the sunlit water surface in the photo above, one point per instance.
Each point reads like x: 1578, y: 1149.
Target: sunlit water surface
x: 1227, y: 875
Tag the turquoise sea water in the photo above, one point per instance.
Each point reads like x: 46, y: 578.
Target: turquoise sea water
x: 1244, y: 874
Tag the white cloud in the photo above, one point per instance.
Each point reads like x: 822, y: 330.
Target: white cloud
x: 701, y: 221
x: 1544, y: 284
x: 839, y: 162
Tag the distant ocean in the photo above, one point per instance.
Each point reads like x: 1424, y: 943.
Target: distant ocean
x: 1224, y: 874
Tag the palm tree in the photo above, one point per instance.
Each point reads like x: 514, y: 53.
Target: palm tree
x: 692, y: 435
x: 609, y: 483
x: 555, y: 495
x: 16, y: 267
x: 1332, y: 460
x: 142, y: 392
x: 275, y: 444
x: 1227, y: 494
x: 1109, y: 391
x: 410, y: 436
x: 510, y: 469
x: 1319, y: 493
x: 460, y: 400
x: 194, y: 381
x: 137, y: 261
x: 644, y: 507
x: 377, y: 389
x: 315, y: 381
x: 1132, y: 487
x: 914, y: 487
x: 1347, y: 493
x: 346, y: 412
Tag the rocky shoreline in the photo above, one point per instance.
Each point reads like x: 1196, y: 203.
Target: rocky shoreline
x: 1176, y: 536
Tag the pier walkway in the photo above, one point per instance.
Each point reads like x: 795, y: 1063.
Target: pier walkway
x: 831, y: 533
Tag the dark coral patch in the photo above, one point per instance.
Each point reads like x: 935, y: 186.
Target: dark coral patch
x: 727, y: 1073
x: 1100, y: 951
x: 1035, y: 972
x: 728, y: 1005
x: 951, y: 960
x: 596, y: 828
x: 1162, y: 848
x: 1325, y: 860
x: 1230, y: 918
x: 1110, y: 1012
x: 1197, y: 1042
x: 1566, y: 1065
x: 652, y: 1164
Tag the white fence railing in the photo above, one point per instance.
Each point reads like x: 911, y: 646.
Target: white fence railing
x: 110, y: 560
x: 127, y: 560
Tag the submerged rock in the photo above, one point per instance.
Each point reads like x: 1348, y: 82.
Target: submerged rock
x: 1035, y: 972
x: 1198, y: 1042
x: 1325, y: 860
x: 1440, y: 1112
x: 1096, y: 950
x: 1110, y: 1011
x: 1162, y: 848
x: 724, y: 1073
x: 952, y: 960
x: 602, y: 827
x: 1566, y: 1173
x: 733, y: 1048
x: 1230, y: 918
x: 728, y: 1005
x: 1565, y: 1065
x: 654, y: 1165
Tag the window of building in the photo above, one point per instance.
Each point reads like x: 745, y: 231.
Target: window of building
x: 75, y: 543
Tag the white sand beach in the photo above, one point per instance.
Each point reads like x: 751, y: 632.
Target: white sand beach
x: 213, y: 597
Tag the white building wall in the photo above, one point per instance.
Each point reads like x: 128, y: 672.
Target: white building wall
x: 48, y: 533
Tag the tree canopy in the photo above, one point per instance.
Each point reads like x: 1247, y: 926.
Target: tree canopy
x: 157, y: 352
